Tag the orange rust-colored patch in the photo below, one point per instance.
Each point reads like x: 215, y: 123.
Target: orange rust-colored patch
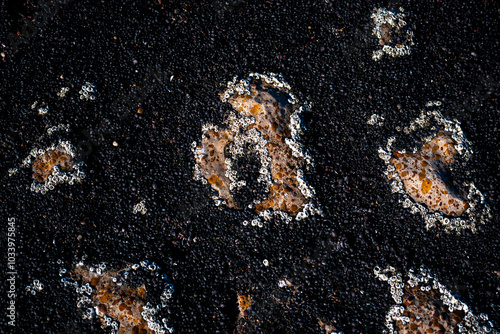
x: 255, y: 109
x: 244, y: 302
x: 215, y: 179
x: 105, y: 297
x: 141, y: 291
x: 397, y: 154
x: 44, y: 165
x: 426, y: 186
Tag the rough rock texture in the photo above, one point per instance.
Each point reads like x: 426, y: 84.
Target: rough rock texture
x: 424, y: 175
x: 393, y: 33
x: 427, y: 313
x: 212, y: 163
x: 193, y: 48
x: 44, y: 165
x: 271, y: 109
x: 119, y: 302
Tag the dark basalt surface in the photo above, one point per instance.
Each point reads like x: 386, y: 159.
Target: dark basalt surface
x: 323, y: 48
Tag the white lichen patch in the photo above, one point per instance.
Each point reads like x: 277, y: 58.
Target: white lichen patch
x: 140, y: 208
x: 421, y: 177
x: 35, y: 287
x: 60, y: 127
x: 265, y: 122
x: 88, y: 91
x: 376, y: 120
x: 52, y: 166
x: 393, y: 34
x: 423, y: 305
x: 62, y: 92
x: 43, y: 108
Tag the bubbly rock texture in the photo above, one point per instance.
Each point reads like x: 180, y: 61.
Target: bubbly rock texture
x: 392, y: 32
x: 264, y: 121
x: 424, y: 175
x: 425, y: 306
x: 44, y: 165
x: 212, y: 162
x: 119, y: 302
x: 427, y: 313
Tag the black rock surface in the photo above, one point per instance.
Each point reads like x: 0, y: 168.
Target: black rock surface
x: 172, y: 59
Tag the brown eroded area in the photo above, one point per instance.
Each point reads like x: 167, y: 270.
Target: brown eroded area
x: 121, y: 303
x: 423, y: 179
x: 44, y: 165
x: 427, y: 313
x: 212, y: 164
x: 271, y: 110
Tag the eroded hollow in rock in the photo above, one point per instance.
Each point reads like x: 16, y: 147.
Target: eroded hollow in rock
x: 264, y: 129
x: 247, y: 168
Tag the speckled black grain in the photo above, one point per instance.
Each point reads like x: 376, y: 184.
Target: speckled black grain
x: 323, y: 49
